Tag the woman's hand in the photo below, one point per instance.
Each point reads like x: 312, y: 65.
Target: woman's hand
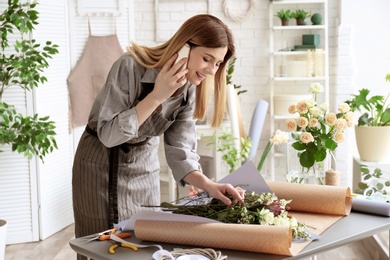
x: 221, y: 191
x: 170, y: 79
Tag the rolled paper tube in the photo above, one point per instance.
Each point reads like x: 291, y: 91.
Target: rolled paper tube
x: 252, y: 238
x: 332, y: 178
x: 314, y: 198
x: 232, y: 107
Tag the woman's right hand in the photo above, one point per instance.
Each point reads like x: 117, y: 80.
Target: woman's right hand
x: 169, y: 79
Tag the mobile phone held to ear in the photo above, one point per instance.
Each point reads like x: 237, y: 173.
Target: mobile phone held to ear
x: 183, y: 53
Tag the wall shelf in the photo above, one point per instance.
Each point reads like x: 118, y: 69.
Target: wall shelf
x: 289, y: 70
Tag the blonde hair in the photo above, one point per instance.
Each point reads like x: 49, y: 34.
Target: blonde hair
x: 200, y: 30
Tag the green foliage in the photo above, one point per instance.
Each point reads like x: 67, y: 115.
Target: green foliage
x: 229, y: 75
x: 373, y: 181
x: 22, y: 66
x: 300, y: 14
x: 284, y: 14
x: 230, y: 154
x: 375, y: 111
x: 28, y: 135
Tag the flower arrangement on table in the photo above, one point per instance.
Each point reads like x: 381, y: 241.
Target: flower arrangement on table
x: 317, y: 132
x: 260, y: 209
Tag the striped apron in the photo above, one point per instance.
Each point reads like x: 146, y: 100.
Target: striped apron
x: 111, y: 184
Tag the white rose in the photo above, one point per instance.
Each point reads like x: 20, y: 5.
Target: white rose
x: 310, y: 103
x: 344, y: 108
x: 316, y: 88
x: 279, y: 137
x: 340, y: 124
x: 324, y: 107
x: 315, y: 111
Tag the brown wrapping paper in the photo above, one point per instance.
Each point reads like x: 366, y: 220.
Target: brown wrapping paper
x: 313, y: 198
x: 254, y: 238
x: 315, y: 205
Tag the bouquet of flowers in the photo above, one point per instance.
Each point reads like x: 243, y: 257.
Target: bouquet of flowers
x: 317, y: 131
x: 260, y: 209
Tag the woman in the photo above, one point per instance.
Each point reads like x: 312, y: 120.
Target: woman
x: 116, y: 166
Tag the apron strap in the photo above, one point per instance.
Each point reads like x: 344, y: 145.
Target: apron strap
x: 89, y: 26
x: 113, y: 186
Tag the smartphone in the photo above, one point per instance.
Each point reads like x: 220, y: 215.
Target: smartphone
x: 183, y: 52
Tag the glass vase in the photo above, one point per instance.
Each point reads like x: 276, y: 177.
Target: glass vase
x: 298, y: 174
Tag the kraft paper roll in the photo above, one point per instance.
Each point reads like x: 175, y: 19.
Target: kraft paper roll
x: 323, y: 199
x: 253, y: 238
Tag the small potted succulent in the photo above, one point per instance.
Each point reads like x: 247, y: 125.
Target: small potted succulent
x: 284, y: 16
x: 300, y: 15
x: 373, y: 126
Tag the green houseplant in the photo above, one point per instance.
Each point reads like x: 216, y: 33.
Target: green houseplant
x: 300, y: 15
x: 230, y: 154
x: 22, y: 62
x: 284, y: 16
x: 373, y: 126
x: 374, y: 181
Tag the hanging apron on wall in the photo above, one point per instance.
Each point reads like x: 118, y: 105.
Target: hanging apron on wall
x: 90, y: 73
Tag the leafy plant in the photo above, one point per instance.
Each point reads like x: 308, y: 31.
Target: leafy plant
x: 375, y: 110
x: 300, y: 14
x: 230, y: 154
x: 22, y: 66
x: 284, y: 14
x: 229, y: 75
x: 373, y: 182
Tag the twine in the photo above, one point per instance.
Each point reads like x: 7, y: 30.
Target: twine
x: 332, y: 178
x: 241, y: 17
x: 206, y: 252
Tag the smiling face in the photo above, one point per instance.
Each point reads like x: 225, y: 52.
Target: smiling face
x: 204, y: 62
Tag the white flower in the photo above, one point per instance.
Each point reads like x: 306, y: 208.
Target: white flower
x: 316, y: 88
x: 315, y: 111
x: 310, y: 103
x: 279, y: 137
x: 266, y: 217
x: 344, y: 108
x: 324, y: 107
x: 281, y: 221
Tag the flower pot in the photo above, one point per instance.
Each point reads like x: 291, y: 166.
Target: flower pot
x: 3, y: 237
x: 285, y: 22
x: 300, y: 21
x: 373, y: 143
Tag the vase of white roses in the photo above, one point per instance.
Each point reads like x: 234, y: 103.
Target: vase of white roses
x: 316, y: 133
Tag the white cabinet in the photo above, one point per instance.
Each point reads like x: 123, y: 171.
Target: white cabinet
x: 292, y: 68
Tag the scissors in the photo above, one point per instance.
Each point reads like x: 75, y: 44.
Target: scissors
x: 105, y: 235
x: 119, y: 244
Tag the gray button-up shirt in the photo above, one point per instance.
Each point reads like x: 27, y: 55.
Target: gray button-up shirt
x: 114, y: 118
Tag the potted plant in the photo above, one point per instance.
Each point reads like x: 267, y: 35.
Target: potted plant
x: 285, y: 16
x: 232, y: 156
x: 373, y: 128
x: 300, y: 15
x: 22, y: 65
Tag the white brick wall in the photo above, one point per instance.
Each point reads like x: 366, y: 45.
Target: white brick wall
x: 252, y: 70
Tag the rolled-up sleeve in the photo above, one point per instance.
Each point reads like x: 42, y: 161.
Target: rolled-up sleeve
x: 181, y: 144
x: 117, y: 120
